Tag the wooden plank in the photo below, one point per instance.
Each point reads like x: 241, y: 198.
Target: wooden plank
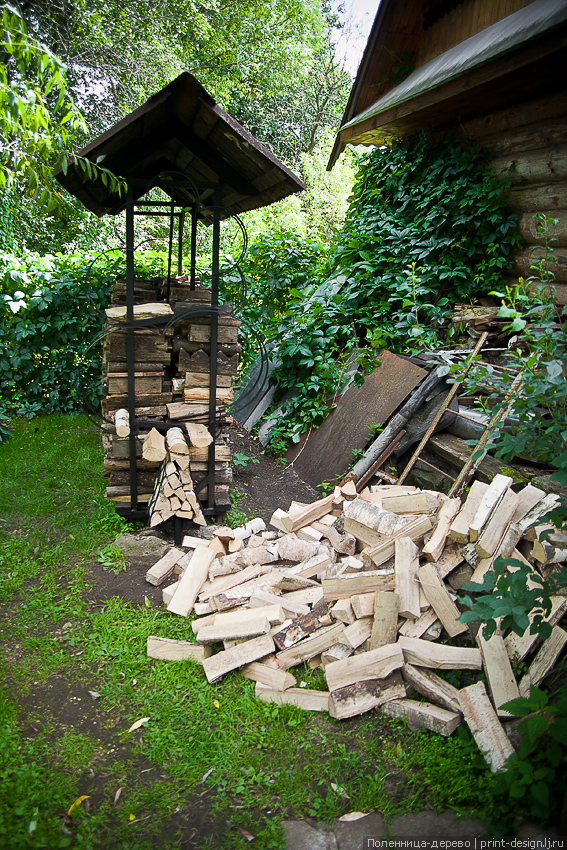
x: 303, y: 698
x: 328, y: 451
x: 192, y: 581
x: 176, y: 650
x: 270, y: 677
x: 163, y: 568
x: 218, y: 665
x: 432, y: 686
x: 440, y: 601
x: 459, y: 530
x: 544, y: 661
x: 345, y: 586
x: 406, y: 565
x: 310, y: 647
x: 385, y: 622
x: 423, y: 653
x: 491, y: 498
x: 483, y: 722
x: 360, y: 697
x: 496, y: 526
x: 422, y: 715
x: 375, y: 664
x: 498, y: 670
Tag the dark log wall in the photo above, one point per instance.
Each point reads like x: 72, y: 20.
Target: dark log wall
x: 531, y: 140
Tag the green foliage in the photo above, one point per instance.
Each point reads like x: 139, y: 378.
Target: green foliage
x: 51, y: 310
x: 538, y: 769
x: 38, y: 120
x: 112, y: 559
x: 427, y: 227
x: 241, y: 460
x: 507, y: 598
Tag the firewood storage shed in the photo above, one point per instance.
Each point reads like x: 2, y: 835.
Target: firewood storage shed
x: 212, y: 169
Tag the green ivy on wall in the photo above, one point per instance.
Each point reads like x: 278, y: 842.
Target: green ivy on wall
x: 427, y: 227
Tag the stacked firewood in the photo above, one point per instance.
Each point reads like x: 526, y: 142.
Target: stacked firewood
x: 171, y: 379
x: 364, y: 587
x: 477, y: 320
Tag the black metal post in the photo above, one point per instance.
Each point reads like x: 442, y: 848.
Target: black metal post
x: 214, y: 345
x: 130, y: 352
x: 180, y: 243
x: 170, y: 252
x: 193, y: 243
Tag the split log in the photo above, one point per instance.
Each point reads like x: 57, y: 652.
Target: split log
x: 414, y: 503
x: 360, y: 697
x: 434, y: 547
x: 345, y: 586
x: 363, y: 604
x: 163, y: 568
x: 406, y: 566
x: 489, y: 501
x: 518, y: 647
x: 176, y: 442
x: 199, y: 435
x: 460, y: 526
x: 218, y: 632
x: 342, y: 610
x: 422, y: 715
x: 293, y: 549
x: 450, y: 559
x: 375, y: 664
x: 496, y: 526
x: 374, y: 517
x: 191, y: 582
x: 498, y: 670
x: 310, y: 647
x: 552, y: 550
x: 385, y: 622
x: 176, y: 650
x: 416, y: 628
x: 312, y: 512
x: 440, y: 601
x: 153, y: 448
x: 425, y: 654
x: 299, y: 629
x: 223, y: 662
x: 483, y: 722
x: 544, y: 661
x: 357, y: 633
x: 432, y: 686
x: 384, y: 550
x: 270, y: 677
x: 301, y: 697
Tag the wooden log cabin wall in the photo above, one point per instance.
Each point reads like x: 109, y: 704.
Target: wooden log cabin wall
x: 530, y: 141
x: 489, y: 70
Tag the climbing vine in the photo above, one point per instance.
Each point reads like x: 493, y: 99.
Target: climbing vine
x: 427, y: 227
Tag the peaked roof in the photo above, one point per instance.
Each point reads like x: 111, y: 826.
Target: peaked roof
x: 181, y: 133
x: 469, y: 77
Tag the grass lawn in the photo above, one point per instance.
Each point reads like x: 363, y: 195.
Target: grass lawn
x: 210, y: 763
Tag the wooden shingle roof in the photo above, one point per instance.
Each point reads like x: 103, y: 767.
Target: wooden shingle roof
x: 181, y: 133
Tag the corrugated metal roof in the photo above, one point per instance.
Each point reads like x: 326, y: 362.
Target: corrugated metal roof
x: 513, y: 31
x: 181, y: 132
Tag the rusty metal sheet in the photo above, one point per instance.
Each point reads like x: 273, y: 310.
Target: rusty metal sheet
x: 327, y: 453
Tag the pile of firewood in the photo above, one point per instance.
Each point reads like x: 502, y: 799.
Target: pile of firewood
x: 172, y: 380
x: 364, y: 587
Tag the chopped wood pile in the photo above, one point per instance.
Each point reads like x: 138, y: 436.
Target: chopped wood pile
x: 172, y: 383
x: 364, y: 587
